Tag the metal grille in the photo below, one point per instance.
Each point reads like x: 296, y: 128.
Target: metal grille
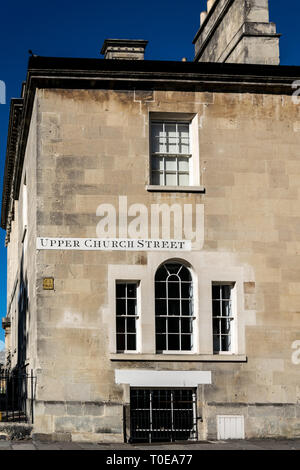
x: 163, y: 415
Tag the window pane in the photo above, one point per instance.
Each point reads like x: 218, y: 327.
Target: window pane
x: 216, y: 343
x: 226, y: 292
x: 158, y: 138
x: 160, y: 342
x: 173, y: 290
x: 216, y: 308
x: 131, y: 342
x: 162, y: 145
x: 172, y: 137
x: 121, y: 307
x: 156, y: 145
x: 174, y: 307
x: 171, y: 164
x: 173, y: 342
x: 225, y: 341
x: 183, y: 130
x: 131, y: 307
x: 120, y: 342
x: 161, y: 273
x: 160, y: 307
x: 160, y: 325
x: 184, y: 147
x: 160, y: 290
x: 216, y: 292
x: 173, y: 268
x: 186, y: 344
x: 131, y: 325
x: 157, y: 129
x: 186, y: 290
x: 173, y: 325
x: 226, y: 308
x: 225, y: 326
x: 120, y: 325
x: 187, y: 307
x: 120, y: 290
x: 131, y: 290
x: 185, y: 274
x: 158, y: 163
x: 170, y: 129
x: 171, y: 179
x: 183, y: 179
x: 158, y: 178
x: 183, y: 164
x: 186, y: 325
x: 216, y: 326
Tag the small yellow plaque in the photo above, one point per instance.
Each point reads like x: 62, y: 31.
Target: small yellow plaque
x: 48, y: 283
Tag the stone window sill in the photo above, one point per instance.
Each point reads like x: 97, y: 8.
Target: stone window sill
x: 175, y: 189
x: 179, y: 357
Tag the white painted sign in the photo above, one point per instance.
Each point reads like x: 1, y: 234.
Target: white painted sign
x: 112, y: 244
x: 162, y: 378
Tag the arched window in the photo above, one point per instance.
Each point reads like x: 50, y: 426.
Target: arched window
x: 173, y: 308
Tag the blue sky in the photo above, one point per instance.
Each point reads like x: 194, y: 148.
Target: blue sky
x: 67, y: 28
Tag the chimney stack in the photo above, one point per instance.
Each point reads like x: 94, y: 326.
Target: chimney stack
x: 124, y: 49
x: 237, y: 31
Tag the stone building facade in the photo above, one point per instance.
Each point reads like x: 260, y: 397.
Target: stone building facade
x: 152, y: 219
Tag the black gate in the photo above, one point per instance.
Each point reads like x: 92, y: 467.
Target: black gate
x: 163, y: 415
x: 17, y: 390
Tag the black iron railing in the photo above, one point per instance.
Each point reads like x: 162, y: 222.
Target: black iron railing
x: 17, y: 393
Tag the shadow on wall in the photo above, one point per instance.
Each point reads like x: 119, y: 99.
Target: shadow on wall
x: 22, y: 316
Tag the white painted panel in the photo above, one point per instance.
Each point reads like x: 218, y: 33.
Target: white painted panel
x: 230, y: 427
x: 161, y: 378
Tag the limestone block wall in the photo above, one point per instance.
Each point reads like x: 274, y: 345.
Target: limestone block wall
x: 93, y: 146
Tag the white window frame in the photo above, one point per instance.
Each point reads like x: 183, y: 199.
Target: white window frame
x: 232, y: 317
x: 193, y: 155
x: 136, y: 316
x: 166, y: 157
x: 205, y: 269
x: 192, y: 318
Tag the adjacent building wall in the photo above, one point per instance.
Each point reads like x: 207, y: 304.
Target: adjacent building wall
x: 21, y: 263
x: 237, y: 31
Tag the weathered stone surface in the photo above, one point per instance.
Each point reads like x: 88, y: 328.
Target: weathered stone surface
x: 237, y: 32
x: 248, y: 162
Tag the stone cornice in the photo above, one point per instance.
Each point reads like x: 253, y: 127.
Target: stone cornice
x: 7, y: 210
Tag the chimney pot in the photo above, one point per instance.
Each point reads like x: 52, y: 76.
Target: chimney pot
x: 203, y: 15
x: 210, y: 4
